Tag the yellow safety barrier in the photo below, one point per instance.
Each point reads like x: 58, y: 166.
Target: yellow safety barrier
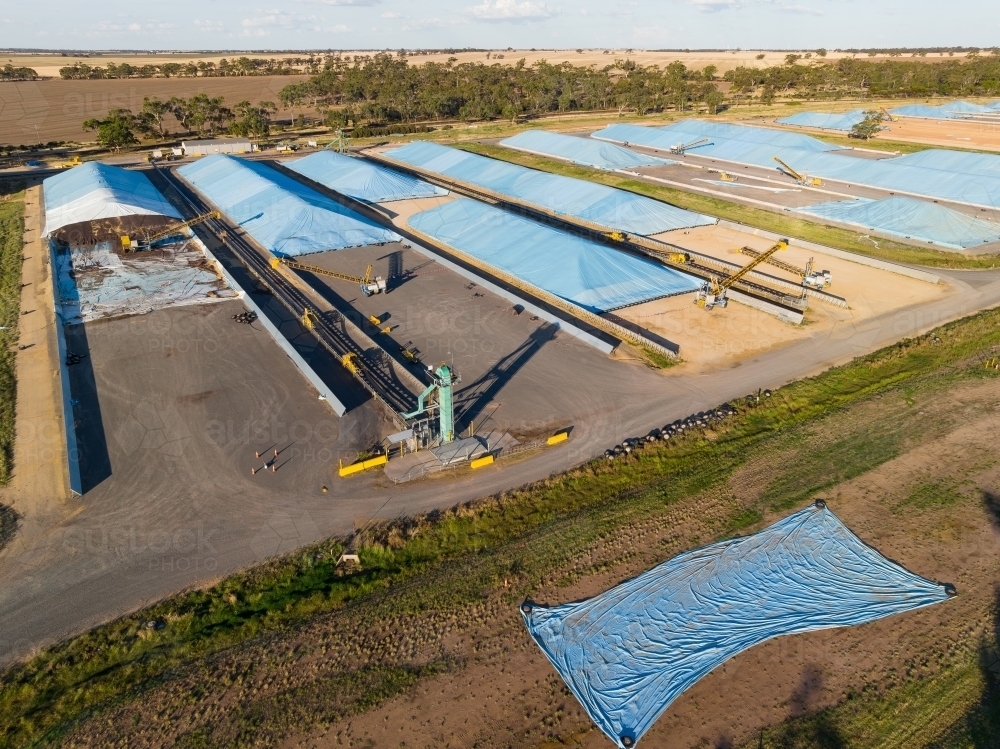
x: 363, y: 465
x: 555, y: 439
x: 480, y: 462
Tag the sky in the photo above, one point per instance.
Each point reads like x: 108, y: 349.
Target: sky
x: 496, y: 24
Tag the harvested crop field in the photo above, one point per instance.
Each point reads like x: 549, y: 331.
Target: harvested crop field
x: 58, y: 108
x: 438, y: 656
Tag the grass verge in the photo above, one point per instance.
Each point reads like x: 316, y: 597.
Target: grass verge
x: 11, y: 243
x: 832, y: 236
x: 959, y: 707
x: 441, y: 564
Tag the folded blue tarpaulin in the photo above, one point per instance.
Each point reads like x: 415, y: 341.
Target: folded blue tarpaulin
x: 579, y: 150
x: 606, y: 206
x: 911, y: 219
x: 280, y: 213
x: 361, y: 179
x: 628, y: 653
x: 591, y: 275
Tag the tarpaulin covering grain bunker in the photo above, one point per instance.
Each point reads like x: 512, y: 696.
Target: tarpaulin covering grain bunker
x: 591, y: 275
x: 606, y: 206
x: 951, y: 110
x: 628, y: 653
x: 911, y: 219
x: 826, y: 120
x: 969, y: 178
x: 361, y: 179
x: 94, y: 191
x: 584, y: 151
x: 281, y: 214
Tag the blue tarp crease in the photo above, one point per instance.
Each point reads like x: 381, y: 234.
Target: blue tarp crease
x: 970, y: 178
x: 606, y: 206
x: 580, y: 150
x: 628, y: 653
x: 361, y: 179
x: 825, y: 120
x: 910, y: 219
x: 949, y: 111
x: 593, y: 276
x: 281, y: 214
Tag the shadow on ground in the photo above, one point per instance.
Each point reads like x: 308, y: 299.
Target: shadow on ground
x: 95, y: 463
x: 9, y: 520
x: 980, y: 727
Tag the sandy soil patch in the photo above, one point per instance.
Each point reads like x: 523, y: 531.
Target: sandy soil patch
x: 724, y: 337
x: 948, y: 133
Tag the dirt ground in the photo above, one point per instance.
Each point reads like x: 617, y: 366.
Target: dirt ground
x: 57, y: 108
x: 726, y: 337
x: 948, y: 133
x: 510, y: 696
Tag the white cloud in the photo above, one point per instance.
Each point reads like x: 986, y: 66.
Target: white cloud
x: 260, y: 24
x: 357, y: 3
x: 205, y: 25
x: 713, y: 6
x: 801, y: 9
x: 338, y: 29
x: 391, y: 14
x: 510, y: 10
x: 419, y: 24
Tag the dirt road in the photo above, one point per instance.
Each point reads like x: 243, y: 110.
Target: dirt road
x: 106, y: 561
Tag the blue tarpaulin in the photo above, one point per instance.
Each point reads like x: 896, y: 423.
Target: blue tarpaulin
x: 968, y: 178
x: 584, y: 151
x: 825, y: 120
x: 95, y: 191
x: 628, y: 653
x: 606, y: 206
x: 951, y: 110
x: 362, y: 179
x: 282, y: 215
x: 911, y: 219
x: 595, y: 277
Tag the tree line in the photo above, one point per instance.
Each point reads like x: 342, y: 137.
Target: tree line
x: 241, y: 66
x: 10, y: 73
x: 385, y: 88
x: 976, y: 75
x: 371, y: 93
x: 201, y: 115
x: 382, y: 89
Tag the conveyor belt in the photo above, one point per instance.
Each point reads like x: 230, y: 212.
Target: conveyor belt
x: 377, y: 378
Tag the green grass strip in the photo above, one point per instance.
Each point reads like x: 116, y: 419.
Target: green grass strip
x: 11, y: 243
